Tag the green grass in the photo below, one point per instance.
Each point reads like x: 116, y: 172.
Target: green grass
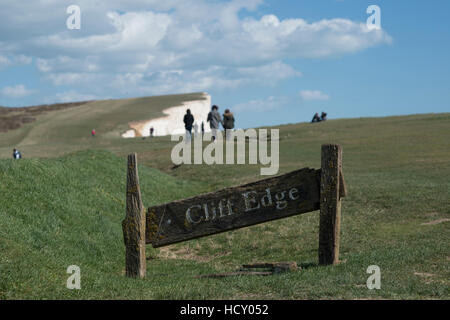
x: 55, y: 212
x: 63, y: 131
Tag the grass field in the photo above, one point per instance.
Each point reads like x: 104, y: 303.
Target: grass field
x: 59, y: 208
x: 61, y: 131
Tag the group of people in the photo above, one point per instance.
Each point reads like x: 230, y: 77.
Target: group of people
x: 316, y: 117
x: 215, y: 120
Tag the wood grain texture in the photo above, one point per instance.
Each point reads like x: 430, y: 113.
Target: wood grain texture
x: 330, y: 204
x: 134, y: 224
x: 342, y: 185
x: 232, y: 208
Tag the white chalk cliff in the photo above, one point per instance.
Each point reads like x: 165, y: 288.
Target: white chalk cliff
x: 172, y: 122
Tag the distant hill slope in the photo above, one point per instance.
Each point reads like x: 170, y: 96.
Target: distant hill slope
x: 61, y: 130
x: 14, y: 118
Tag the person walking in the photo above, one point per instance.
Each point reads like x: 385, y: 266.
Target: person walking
x: 93, y: 132
x: 188, y: 122
x: 228, y: 123
x: 151, y: 132
x: 203, y: 129
x: 214, y: 119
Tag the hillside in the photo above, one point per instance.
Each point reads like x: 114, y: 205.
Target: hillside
x: 60, y: 129
x: 67, y: 210
x: 59, y: 212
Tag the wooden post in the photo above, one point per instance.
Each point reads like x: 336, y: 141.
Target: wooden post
x: 330, y: 204
x: 134, y: 224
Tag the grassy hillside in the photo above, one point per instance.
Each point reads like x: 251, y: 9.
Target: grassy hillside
x: 59, y: 212
x: 61, y: 131
x: 63, y: 211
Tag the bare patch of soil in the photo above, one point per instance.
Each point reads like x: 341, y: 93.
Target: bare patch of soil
x: 434, y: 222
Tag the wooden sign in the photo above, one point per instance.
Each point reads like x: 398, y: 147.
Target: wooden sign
x: 228, y: 209
x: 232, y: 208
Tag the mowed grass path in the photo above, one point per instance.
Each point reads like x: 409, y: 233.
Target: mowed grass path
x: 64, y: 211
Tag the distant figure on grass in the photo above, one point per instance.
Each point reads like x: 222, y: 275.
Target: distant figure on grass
x: 316, y: 118
x: 17, y: 154
x: 323, y: 116
x: 93, y: 132
x: 188, y: 122
x: 151, y: 132
x: 214, y: 119
x: 228, y: 123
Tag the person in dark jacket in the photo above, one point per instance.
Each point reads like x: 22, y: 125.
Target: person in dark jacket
x: 16, y: 154
x: 188, y: 122
x: 228, y: 123
x: 316, y: 118
x: 323, y: 116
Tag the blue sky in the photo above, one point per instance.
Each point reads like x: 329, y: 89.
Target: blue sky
x: 271, y: 62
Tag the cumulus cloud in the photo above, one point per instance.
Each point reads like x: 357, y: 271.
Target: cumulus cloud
x: 14, y: 60
x: 17, y: 91
x: 4, y: 61
x: 71, y: 96
x: 313, y: 95
x: 173, y: 45
x: 213, y: 77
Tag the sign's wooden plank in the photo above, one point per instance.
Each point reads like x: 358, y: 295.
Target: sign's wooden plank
x: 232, y: 208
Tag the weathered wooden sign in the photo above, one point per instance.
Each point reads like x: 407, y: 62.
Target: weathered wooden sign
x: 232, y: 208
x: 279, y: 197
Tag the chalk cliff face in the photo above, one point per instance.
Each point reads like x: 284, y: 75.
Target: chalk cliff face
x: 172, y: 122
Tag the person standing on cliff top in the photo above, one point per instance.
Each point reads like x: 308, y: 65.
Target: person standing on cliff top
x: 214, y: 119
x: 188, y: 122
x: 228, y: 123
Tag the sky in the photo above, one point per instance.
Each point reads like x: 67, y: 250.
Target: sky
x: 270, y: 62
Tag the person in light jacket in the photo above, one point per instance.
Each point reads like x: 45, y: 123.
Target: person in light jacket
x: 214, y: 120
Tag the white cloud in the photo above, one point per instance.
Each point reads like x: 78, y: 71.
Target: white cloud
x: 215, y: 44
x: 261, y: 105
x: 71, y: 96
x: 74, y: 78
x: 4, y: 62
x: 213, y: 77
x: 270, y: 73
x: 23, y: 59
x: 17, y: 91
x: 14, y: 60
x: 313, y: 95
